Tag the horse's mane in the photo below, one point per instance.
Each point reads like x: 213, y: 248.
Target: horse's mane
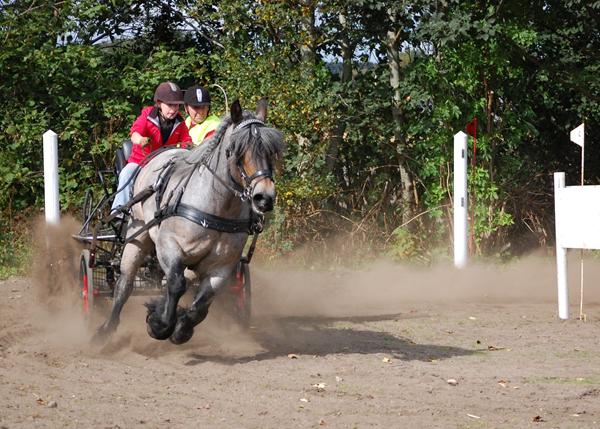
x: 271, y: 139
x: 201, y: 152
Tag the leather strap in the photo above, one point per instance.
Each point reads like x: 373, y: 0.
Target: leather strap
x: 210, y: 221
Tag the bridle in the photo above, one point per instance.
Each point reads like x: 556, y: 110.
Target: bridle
x: 244, y: 191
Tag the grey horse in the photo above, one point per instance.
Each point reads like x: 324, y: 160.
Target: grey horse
x: 229, y: 180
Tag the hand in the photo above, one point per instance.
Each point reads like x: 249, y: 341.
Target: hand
x: 144, y: 141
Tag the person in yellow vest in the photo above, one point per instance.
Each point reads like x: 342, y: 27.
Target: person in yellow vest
x: 200, y: 123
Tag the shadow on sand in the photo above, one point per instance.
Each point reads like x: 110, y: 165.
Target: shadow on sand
x: 317, y: 337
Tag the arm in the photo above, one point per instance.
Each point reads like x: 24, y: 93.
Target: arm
x: 185, y: 137
x: 137, y: 138
x: 138, y: 129
x: 208, y: 135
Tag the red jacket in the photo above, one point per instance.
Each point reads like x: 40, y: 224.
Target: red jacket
x: 147, y: 125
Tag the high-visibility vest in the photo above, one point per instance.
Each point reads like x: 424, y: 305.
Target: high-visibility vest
x: 199, y: 131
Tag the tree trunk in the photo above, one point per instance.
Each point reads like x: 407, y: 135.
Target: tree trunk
x: 307, y: 24
x: 346, y: 76
x: 393, y: 54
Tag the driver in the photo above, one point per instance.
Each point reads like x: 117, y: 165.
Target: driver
x: 157, y: 126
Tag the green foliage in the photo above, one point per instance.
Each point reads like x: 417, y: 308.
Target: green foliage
x: 358, y: 133
x: 403, y: 246
x: 14, y: 251
x: 488, y: 209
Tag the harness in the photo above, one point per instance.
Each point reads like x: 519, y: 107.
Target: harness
x: 173, y: 206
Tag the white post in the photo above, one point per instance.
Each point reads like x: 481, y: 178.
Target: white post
x: 460, y: 200
x: 561, y: 257
x: 51, y: 203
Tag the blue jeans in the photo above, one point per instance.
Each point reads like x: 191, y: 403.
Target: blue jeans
x: 125, y: 187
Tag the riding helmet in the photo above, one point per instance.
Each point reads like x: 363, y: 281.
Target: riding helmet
x: 168, y: 92
x: 197, y: 96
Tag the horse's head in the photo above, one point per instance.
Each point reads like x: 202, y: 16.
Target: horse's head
x: 254, y: 150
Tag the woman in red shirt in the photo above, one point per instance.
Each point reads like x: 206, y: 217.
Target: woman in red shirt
x: 157, y: 126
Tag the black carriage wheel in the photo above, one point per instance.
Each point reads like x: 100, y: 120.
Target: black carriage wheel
x: 86, y: 282
x: 243, y: 298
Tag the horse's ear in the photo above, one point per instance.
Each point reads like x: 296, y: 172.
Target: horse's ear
x: 236, y: 112
x: 261, y: 109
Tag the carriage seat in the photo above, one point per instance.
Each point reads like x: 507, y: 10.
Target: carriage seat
x: 122, y: 155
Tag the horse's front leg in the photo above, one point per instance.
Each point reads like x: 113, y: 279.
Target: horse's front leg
x: 162, y: 313
x: 133, y: 256
x: 188, y: 319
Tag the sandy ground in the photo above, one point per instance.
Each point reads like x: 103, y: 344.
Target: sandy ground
x: 376, y: 347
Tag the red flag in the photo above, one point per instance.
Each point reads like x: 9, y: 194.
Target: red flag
x: 472, y: 131
x: 472, y: 128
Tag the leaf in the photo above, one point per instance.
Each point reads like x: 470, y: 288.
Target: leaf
x: 493, y: 348
x: 319, y: 386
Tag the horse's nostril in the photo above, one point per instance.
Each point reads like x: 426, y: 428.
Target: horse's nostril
x: 263, y: 202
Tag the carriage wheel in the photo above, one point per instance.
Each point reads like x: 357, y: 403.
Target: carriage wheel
x: 242, y: 292
x: 86, y: 282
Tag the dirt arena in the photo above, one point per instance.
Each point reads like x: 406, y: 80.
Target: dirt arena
x: 384, y: 346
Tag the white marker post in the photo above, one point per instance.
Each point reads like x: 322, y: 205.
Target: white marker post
x: 561, y: 252
x: 51, y: 203
x: 460, y: 200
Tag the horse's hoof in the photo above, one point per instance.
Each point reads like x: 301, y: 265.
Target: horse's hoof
x: 99, y: 338
x: 102, y: 334
x: 181, y: 336
x: 157, y: 329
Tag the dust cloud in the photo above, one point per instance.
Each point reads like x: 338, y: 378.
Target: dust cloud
x: 380, y: 288
x: 387, y: 287
x: 54, y: 277
x: 54, y: 266
x: 55, y: 298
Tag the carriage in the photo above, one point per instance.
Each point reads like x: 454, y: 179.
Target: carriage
x: 103, y: 238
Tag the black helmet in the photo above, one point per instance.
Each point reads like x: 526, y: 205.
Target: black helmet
x: 197, y: 96
x: 169, y: 93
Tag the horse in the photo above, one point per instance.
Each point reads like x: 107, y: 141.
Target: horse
x: 199, y: 220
